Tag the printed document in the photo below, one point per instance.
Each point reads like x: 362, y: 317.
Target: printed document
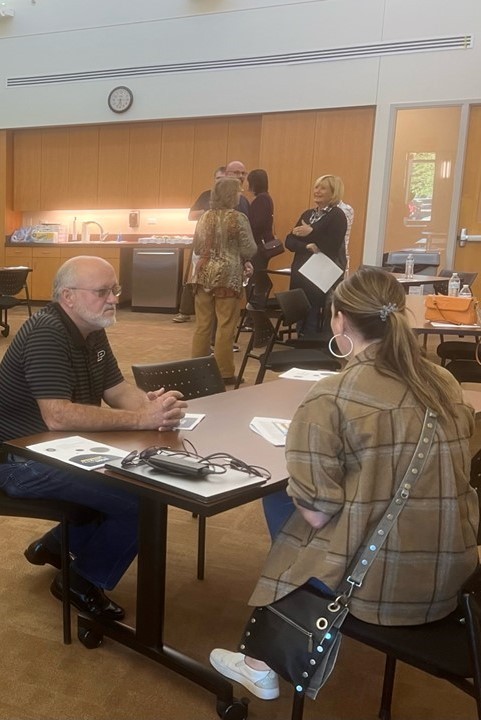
x: 321, y: 270
x: 274, y: 430
x: 79, y: 451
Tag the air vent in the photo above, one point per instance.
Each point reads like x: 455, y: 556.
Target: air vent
x: 402, y: 47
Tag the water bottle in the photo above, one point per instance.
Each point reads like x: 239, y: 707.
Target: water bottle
x: 454, y: 285
x: 465, y: 291
x: 409, y: 270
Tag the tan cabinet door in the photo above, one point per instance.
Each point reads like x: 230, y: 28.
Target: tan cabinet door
x: 83, y: 167
x: 244, y: 141
x: 45, y: 263
x: 27, y: 148
x: 54, y: 190
x: 143, y: 178
x: 113, y: 166
x: 469, y: 257
x: 177, y: 164
x: 210, y: 151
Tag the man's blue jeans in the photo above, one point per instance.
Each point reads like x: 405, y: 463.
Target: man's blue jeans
x: 103, y: 551
x: 278, y: 507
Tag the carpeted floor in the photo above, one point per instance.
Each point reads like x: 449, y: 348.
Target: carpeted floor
x: 43, y: 679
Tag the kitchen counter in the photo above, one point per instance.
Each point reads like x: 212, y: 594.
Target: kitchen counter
x: 97, y: 244
x: 46, y: 258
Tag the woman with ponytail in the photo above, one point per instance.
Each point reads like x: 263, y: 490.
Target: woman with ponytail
x: 348, y: 448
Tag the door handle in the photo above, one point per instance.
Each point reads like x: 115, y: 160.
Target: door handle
x: 464, y: 238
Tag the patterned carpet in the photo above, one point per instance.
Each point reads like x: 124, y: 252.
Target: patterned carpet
x: 43, y: 679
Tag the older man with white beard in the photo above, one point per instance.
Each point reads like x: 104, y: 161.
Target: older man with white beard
x: 54, y: 376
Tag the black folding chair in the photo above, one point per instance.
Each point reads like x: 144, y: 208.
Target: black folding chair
x: 13, y: 280
x: 196, y: 377
x: 63, y: 512
x: 449, y: 649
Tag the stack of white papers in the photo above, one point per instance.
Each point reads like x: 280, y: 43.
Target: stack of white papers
x: 274, y: 430
x: 311, y: 375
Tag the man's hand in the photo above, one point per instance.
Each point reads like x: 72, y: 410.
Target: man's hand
x: 313, y: 248
x: 164, y: 411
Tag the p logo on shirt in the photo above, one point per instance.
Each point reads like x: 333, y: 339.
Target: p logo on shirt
x: 100, y: 355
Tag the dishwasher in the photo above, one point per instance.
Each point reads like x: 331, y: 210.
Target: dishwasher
x: 156, y: 279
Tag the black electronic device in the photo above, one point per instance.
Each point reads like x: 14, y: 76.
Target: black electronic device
x: 179, y: 465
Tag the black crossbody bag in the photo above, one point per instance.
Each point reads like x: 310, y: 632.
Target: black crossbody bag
x: 299, y: 635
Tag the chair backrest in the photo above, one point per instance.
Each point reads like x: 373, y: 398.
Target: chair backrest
x: 265, y: 331
x: 294, y: 305
x: 195, y: 377
x: 466, y: 278
x: 13, y: 280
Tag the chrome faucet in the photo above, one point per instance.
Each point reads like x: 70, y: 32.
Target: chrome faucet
x: 86, y: 235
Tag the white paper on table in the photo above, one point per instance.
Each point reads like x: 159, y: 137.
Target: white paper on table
x: 452, y: 325
x: 79, y: 451
x: 190, y: 421
x: 311, y: 375
x: 274, y: 430
x: 321, y: 270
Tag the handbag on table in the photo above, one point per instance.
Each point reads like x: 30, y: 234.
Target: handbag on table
x: 271, y: 248
x: 458, y: 310
x: 299, y: 635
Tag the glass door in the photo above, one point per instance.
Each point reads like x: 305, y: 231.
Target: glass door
x: 423, y: 172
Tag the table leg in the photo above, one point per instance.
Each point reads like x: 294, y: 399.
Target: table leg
x: 147, y: 637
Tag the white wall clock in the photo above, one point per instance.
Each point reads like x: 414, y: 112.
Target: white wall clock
x: 120, y: 99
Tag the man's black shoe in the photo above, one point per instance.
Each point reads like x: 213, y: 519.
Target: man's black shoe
x: 92, y: 600
x: 38, y: 553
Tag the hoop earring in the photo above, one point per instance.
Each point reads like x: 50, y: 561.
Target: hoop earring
x: 337, y: 354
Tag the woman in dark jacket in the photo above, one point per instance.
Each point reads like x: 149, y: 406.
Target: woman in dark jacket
x: 261, y: 212
x: 321, y: 229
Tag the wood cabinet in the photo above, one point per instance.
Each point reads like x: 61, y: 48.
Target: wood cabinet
x: 143, y: 175
x: 27, y: 149
x: 113, y: 166
x: 45, y: 263
x: 166, y: 164
x: 110, y: 253
x: 83, y: 171
x: 176, y: 167
x: 54, y: 169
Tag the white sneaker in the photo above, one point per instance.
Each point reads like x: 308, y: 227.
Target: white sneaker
x: 180, y: 317
x: 264, y: 684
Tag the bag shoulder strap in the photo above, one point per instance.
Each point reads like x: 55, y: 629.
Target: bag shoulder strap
x: 378, y: 537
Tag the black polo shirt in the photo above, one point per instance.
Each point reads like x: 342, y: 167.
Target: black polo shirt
x: 48, y: 358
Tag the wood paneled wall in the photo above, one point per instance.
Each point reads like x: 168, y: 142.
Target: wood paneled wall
x: 167, y: 164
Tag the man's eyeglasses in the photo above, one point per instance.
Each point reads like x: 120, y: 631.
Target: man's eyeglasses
x: 236, y: 173
x: 115, y: 290
x: 138, y: 458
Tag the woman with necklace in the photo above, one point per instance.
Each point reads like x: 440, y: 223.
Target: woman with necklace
x: 321, y: 229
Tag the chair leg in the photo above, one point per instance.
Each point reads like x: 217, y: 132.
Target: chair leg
x: 297, y: 706
x: 65, y: 556
x: 387, y: 688
x: 201, y: 547
x: 242, y: 368
x: 242, y: 319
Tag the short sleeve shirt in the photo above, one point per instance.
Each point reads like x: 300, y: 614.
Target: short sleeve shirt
x: 50, y: 359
